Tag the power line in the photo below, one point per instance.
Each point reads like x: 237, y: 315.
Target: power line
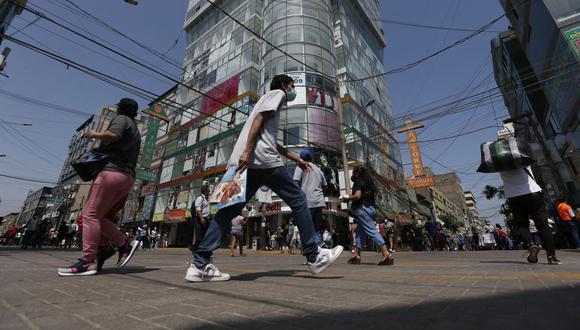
x: 432, y: 27
x: 409, y: 66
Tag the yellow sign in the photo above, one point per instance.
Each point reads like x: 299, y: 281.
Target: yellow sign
x: 415, y: 153
x: 421, y: 182
x: 157, y: 112
x: 158, y: 217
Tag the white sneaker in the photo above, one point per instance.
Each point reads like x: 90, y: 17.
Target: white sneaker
x: 210, y: 273
x: 325, y: 258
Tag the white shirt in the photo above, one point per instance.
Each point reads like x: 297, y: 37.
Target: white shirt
x: 518, y: 183
x: 201, y: 204
x: 265, y: 153
x: 533, y: 228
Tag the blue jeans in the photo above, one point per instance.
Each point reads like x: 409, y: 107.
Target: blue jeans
x: 281, y: 183
x: 367, y: 226
x: 316, y: 214
x: 571, y: 225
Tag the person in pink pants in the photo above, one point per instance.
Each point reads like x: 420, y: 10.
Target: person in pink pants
x: 108, y: 193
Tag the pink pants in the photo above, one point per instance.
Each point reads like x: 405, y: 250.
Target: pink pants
x: 106, y: 197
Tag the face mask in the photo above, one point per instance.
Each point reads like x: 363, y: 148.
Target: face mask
x: 291, y: 95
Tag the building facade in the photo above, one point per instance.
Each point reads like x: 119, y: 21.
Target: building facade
x: 536, y: 66
x: 449, y: 185
x: 37, y: 204
x: 8, y: 221
x: 324, y: 42
x: 472, y: 211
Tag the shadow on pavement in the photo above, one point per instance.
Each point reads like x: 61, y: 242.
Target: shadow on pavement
x: 129, y: 270
x: 547, y: 309
x: 278, y: 273
x: 504, y: 262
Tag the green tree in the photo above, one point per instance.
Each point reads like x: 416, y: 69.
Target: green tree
x: 492, y: 192
x: 451, y: 222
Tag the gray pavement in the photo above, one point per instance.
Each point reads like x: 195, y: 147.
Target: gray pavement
x: 436, y: 290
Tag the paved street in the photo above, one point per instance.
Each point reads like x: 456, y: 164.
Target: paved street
x: 445, y: 290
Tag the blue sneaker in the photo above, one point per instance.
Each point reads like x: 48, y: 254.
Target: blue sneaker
x: 80, y: 268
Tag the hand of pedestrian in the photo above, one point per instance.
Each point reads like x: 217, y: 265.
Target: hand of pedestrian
x: 90, y: 134
x: 304, y: 165
x: 203, y: 221
x: 243, y: 161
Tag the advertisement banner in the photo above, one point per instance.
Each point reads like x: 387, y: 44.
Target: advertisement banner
x: 416, y: 159
x: 172, y: 216
x: 150, y: 139
x: 145, y: 175
x: 324, y: 128
x: 222, y: 93
x: 157, y: 112
x: 573, y: 36
x: 158, y: 217
x: 148, y: 205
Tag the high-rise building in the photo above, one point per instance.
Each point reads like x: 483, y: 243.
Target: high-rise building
x: 536, y: 66
x: 449, y: 185
x: 324, y: 45
x: 36, y: 204
x: 472, y: 212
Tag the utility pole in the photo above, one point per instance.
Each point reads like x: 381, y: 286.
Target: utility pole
x: 343, y: 140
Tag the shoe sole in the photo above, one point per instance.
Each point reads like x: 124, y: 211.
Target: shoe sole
x: 90, y: 272
x: 134, y: 246
x: 332, y: 260
x: 212, y: 279
x: 533, y: 257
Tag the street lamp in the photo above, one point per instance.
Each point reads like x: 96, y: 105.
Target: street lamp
x: 133, y: 2
x: 2, y: 156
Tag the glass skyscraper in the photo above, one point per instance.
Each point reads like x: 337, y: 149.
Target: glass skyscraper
x: 322, y: 44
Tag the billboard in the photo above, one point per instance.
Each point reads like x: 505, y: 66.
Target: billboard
x: 225, y: 92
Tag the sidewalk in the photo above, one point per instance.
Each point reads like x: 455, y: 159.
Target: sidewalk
x: 441, y: 290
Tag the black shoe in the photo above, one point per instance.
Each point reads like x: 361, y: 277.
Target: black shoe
x: 552, y: 260
x: 533, y: 251
x: 104, y: 254
x: 126, y: 253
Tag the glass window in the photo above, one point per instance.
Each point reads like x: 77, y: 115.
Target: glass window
x: 294, y: 33
x: 312, y: 35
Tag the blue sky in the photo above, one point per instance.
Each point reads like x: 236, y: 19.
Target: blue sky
x: 158, y: 24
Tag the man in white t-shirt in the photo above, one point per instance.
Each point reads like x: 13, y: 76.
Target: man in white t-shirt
x: 313, y: 184
x: 201, y: 216
x: 526, y: 201
x: 257, y: 152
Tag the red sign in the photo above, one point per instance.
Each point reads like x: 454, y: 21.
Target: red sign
x: 274, y: 207
x: 174, y: 215
x: 421, y: 182
x: 222, y: 93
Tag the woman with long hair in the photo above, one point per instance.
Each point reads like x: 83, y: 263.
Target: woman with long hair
x: 364, y: 210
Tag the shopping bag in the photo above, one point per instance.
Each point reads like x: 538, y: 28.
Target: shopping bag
x: 89, y: 165
x: 504, y: 155
x: 231, y: 190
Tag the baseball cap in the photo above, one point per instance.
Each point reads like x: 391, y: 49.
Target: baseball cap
x: 306, y: 154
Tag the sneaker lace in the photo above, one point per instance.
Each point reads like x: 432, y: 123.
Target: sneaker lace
x: 207, y: 269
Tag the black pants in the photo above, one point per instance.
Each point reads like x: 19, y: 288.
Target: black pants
x: 199, y: 230
x: 532, y: 206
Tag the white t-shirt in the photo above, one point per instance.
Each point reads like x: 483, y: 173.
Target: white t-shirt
x: 201, y: 204
x: 311, y: 183
x: 518, y: 183
x: 265, y: 153
x: 295, y: 233
x: 237, y: 223
x: 533, y: 228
